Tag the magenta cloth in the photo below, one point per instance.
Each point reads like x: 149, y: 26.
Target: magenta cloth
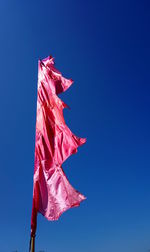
x: 54, y: 143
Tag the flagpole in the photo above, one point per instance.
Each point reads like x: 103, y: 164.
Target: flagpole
x: 33, y: 228
x: 32, y: 244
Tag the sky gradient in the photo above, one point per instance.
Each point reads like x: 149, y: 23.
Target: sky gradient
x: 104, y: 46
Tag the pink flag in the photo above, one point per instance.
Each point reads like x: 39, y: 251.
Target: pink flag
x: 54, y: 143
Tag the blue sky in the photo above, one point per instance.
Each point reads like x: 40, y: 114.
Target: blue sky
x: 104, y: 46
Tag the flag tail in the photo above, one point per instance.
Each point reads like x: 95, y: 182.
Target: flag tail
x: 56, y: 194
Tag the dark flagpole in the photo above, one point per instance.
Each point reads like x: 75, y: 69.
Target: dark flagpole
x: 33, y: 228
x: 32, y: 244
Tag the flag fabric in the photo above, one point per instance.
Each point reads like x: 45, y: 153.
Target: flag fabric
x: 54, y: 143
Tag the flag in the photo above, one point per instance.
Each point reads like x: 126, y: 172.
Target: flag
x: 54, y: 143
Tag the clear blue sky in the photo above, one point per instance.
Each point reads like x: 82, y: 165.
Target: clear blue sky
x: 105, y: 47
